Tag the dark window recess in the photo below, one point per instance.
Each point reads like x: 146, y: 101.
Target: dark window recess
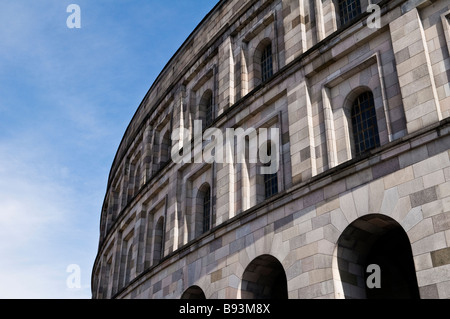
x: 266, y: 63
x: 364, y: 123
x: 348, y: 10
x: 207, y: 210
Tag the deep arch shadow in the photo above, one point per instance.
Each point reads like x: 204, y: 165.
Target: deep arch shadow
x: 376, y: 239
x: 264, y: 278
x: 193, y: 292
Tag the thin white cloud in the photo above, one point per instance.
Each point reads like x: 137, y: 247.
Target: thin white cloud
x: 52, y: 176
x: 40, y: 282
x: 66, y: 97
x: 40, y: 229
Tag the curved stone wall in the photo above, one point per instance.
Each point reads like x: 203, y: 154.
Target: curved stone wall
x: 277, y: 148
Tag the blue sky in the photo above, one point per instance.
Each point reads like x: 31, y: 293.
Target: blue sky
x: 66, y: 98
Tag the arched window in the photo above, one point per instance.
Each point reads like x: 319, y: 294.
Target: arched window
x: 209, y: 111
x: 206, y: 111
x: 158, y: 244
x: 137, y: 180
x: 364, y: 123
x: 207, y: 210
x: 166, y: 145
x: 348, y: 10
x: 262, y: 66
x: 203, y: 210
x: 266, y: 63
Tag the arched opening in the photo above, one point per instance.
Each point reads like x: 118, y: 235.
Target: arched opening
x: 375, y: 240
x: 266, y: 63
x: 207, y: 210
x: 193, y: 292
x: 158, y: 244
x: 203, y: 216
x: 166, y: 145
x: 264, y: 278
x: 116, y: 205
x: 364, y: 124
x: 205, y: 110
x: 137, y: 180
x: 263, y: 62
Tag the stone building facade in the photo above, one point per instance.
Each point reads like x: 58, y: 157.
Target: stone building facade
x: 360, y: 97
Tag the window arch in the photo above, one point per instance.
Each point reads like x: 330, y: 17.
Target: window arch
x: 166, y: 144
x: 137, y: 179
x: 206, y: 109
x: 204, y: 215
x: 263, y: 62
x: 158, y: 244
x: 348, y: 10
x: 207, y: 210
x: 364, y: 123
x: 266, y: 63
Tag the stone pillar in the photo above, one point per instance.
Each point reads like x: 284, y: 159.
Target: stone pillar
x: 225, y: 77
x: 301, y: 133
x: 419, y: 95
x: 147, y: 156
x: 180, y: 213
x: 140, y: 228
x: 225, y: 192
x: 327, y: 20
x: 294, y: 26
x: 320, y: 28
